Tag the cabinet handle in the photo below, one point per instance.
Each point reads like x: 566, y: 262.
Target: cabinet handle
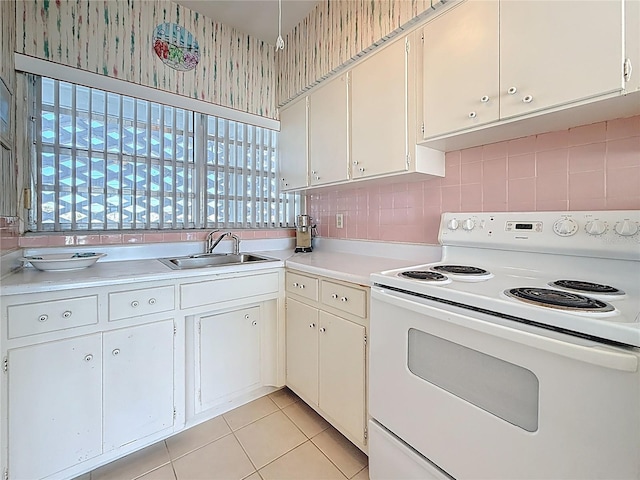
x: 313, y: 171
x: 67, y: 314
x: 254, y: 323
x: 246, y: 316
x: 485, y: 99
x: 152, y: 301
x: 361, y: 169
x: 302, y: 285
x: 334, y: 295
x: 512, y: 90
x: 355, y: 162
x: 295, y: 284
x: 343, y: 299
x: 135, y: 303
x: 88, y: 358
x: 43, y: 318
x: 322, y: 329
x: 312, y: 325
x: 116, y: 352
x: 472, y: 115
x: 527, y: 99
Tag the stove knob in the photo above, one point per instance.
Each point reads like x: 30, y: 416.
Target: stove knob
x: 595, y: 227
x: 468, y: 224
x: 626, y: 228
x: 565, y: 227
x: 453, y: 224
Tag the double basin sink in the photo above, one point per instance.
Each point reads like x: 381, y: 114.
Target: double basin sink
x: 205, y: 260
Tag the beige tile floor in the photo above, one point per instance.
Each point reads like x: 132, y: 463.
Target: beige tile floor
x: 276, y: 437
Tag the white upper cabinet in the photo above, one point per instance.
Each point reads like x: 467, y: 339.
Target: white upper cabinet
x: 328, y: 128
x: 379, y: 143
x: 293, y: 146
x: 553, y: 53
x: 460, y: 68
x: 488, y: 62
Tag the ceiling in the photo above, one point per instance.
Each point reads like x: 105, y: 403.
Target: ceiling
x: 257, y: 18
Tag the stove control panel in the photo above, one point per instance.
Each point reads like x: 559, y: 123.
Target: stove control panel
x: 607, y: 234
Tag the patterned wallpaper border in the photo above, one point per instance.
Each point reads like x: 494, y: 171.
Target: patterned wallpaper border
x: 115, y: 38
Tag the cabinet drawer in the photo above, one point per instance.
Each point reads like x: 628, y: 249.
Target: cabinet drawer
x: 348, y: 299
x: 224, y: 290
x: 41, y: 317
x: 141, y: 302
x: 302, y: 285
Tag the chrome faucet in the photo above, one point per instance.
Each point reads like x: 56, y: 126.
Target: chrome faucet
x: 211, y: 244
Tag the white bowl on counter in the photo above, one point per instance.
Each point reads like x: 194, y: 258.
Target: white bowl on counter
x: 58, y: 262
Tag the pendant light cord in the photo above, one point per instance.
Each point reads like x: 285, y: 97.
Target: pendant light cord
x: 279, y: 41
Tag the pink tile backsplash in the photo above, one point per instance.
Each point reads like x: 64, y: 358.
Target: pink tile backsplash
x: 591, y: 167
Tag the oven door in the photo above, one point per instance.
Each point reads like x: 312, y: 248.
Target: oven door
x: 484, y: 397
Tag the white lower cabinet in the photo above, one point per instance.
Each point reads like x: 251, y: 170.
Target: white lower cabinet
x: 138, y: 382
x: 228, y: 351
x: 72, y: 400
x: 55, y: 406
x: 326, y: 353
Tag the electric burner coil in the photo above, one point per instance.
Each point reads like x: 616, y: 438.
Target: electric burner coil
x: 558, y: 299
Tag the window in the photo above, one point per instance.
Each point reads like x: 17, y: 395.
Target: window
x: 105, y: 161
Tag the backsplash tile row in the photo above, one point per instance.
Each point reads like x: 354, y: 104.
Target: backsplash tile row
x: 119, y: 238
x: 591, y: 167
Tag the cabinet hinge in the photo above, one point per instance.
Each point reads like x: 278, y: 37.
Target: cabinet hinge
x: 408, y: 161
x: 5, y: 475
x: 199, y: 327
x: 422, y: 129
x: 366, y: 433
x: 175, y: 413
x: 626, y: 69
x: 365, y: 338
x: 200, y: 396
x: 5, y: 364
x: 407, y: 45
x: 175, y: 330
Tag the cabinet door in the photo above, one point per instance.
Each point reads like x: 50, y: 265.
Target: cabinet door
x: 138, y: 382
x: 55, y: 406
x: 229, y: 355
x: 342, y: 373
x: 302, y: 350
x: 560, y: 52
x: 379, y: 113
x: 460, y: 68
x: 292, y: 146
x: 328, y: 148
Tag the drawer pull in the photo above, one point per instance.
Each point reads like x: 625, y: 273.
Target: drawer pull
x: 246, y: 316
x: 135, y: 303
x: 88, y: 358
x: 302, y: 285
x: 512, y: 90
x: 334, y: 296
x: 67, y: 314
x: 527, y: 99
x: 43, y: 318
x: 295, y: 284
x: 322, y: 329
x: 116, y: 352
x: 344, y: 299
x: 152, y: 301
x: 254, y: 323
x: 312, y: 325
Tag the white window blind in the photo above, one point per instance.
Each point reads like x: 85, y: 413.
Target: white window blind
x: 105, y: 161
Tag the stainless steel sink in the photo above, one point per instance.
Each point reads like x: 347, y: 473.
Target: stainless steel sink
x: 206, y: 260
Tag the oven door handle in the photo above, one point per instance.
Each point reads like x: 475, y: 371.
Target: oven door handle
x: 602, y: 356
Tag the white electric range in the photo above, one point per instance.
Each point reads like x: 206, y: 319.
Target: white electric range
x: 516, y: 355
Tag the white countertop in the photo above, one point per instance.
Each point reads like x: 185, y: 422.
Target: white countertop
x: 347, y: 260
x: 344, y: 266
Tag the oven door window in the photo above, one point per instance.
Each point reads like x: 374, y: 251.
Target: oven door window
x: 503, y: 389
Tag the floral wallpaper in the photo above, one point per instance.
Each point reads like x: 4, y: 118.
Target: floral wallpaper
x: 337, y: 32
x: 115, y: 38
